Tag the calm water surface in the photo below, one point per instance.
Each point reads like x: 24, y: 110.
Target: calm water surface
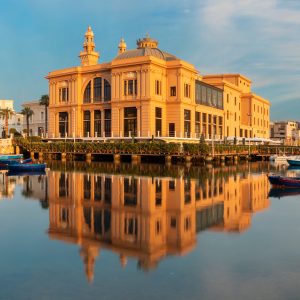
x: 101, y: 231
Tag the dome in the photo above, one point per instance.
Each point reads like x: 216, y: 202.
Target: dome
x: 146, y: 47
x: 146, y: 52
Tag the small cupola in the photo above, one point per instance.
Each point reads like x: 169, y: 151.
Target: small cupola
x: 146, y: 42
x: 122, y: 46
x: 89, y: 56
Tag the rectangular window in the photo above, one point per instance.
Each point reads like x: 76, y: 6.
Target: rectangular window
x: 64, y: 94
x: 197, y: 124
x: 158, y: 193
x: 42, y: 115
x: 87, y: 187
x: 97, y: 123
x: 87, y: 123
x: 130, y: 121
x: 187, y: 90
x: 97, y: 188
x: 173, y: 91
x: 187, y: 123
x: 157, y: 87
x: 158, y: 121
x: 130, y: 192
x: 172, y: 185
x: 107, y: 122
x: 63, y: 185
x: 173, y: 222
x: 63, y: 124
x: 130, y: 87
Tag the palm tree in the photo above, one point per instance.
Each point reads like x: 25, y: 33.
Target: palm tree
x: 27, y: 112
x: 45, y: 101
x: 6, y: 113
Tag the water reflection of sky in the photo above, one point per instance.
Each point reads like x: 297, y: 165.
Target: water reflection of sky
x: 258, y: 262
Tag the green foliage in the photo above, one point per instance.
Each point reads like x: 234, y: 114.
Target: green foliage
x: 147, y: 148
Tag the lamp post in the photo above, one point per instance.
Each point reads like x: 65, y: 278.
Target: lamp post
x: 249, y: 115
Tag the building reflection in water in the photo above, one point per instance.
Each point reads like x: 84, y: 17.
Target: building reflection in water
x: 148, y: 218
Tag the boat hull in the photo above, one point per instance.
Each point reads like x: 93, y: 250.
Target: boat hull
x: 10, y: 156
x: 294, y: 162
x: 26, y: 167
x: 288, y: 182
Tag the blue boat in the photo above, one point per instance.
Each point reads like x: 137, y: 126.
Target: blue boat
x: 25, y: 173
x: 10, y: 156
x: 295, y: 161
x: 4, y: 163
x: 281, y: 181
x: 19, y: 167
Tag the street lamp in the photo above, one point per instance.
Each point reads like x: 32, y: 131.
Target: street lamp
x: 249, y: 115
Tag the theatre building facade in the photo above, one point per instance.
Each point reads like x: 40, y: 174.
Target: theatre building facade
x: 146, y: 92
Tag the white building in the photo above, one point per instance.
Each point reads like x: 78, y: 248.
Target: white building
x: 15, y: 120
x: 37, y: 120
x: 285, y: 131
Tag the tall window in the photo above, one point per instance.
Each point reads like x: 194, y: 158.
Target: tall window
x: 187, y: 123
x: 130, y: 87
x: 107, y: 122
x: 63, y: 124
x: 97, y: 123
x: 87, y: 94
x: 130, y: 192
x: 107, y: 91
x: 63, y: 185
x: 157, y: 87
x: 97, y: 89
x: 204, y: 123
x: 97, y: 188
x: 87, y: 187
x: 173, y: 91
x: 158, y: 121
x: 130, y: 121
x: 64, y: 94
x: 187, y: 90
x: 86, y: 123
x: 197, y: 123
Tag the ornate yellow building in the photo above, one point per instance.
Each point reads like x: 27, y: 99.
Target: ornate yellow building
x: 147, y: 92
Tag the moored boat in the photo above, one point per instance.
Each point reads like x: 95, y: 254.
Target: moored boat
x: 26, y: 167
x: 25, y: 173
x: 282, y: 181
x: 10, y: 156
x: 5, y: 163
x: 295, y: 161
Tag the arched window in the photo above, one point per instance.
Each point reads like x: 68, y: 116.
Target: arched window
x: 107, y: 91
x: 97, y: 89
x: 87, y: 94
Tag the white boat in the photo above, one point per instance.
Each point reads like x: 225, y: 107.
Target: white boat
x: 279, y: 158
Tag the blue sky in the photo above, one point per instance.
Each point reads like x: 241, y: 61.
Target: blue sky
x: 257, y: 38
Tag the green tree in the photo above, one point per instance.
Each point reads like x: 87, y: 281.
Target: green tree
x: 27, y: 112
x: 44, y: 100
x: 6, y: 113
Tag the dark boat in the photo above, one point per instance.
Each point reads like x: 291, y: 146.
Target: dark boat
x: 25, y: 173
x: 5, y: 163
x: 281, y: 181
x: 283, y: 192
x: 26, y: 167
